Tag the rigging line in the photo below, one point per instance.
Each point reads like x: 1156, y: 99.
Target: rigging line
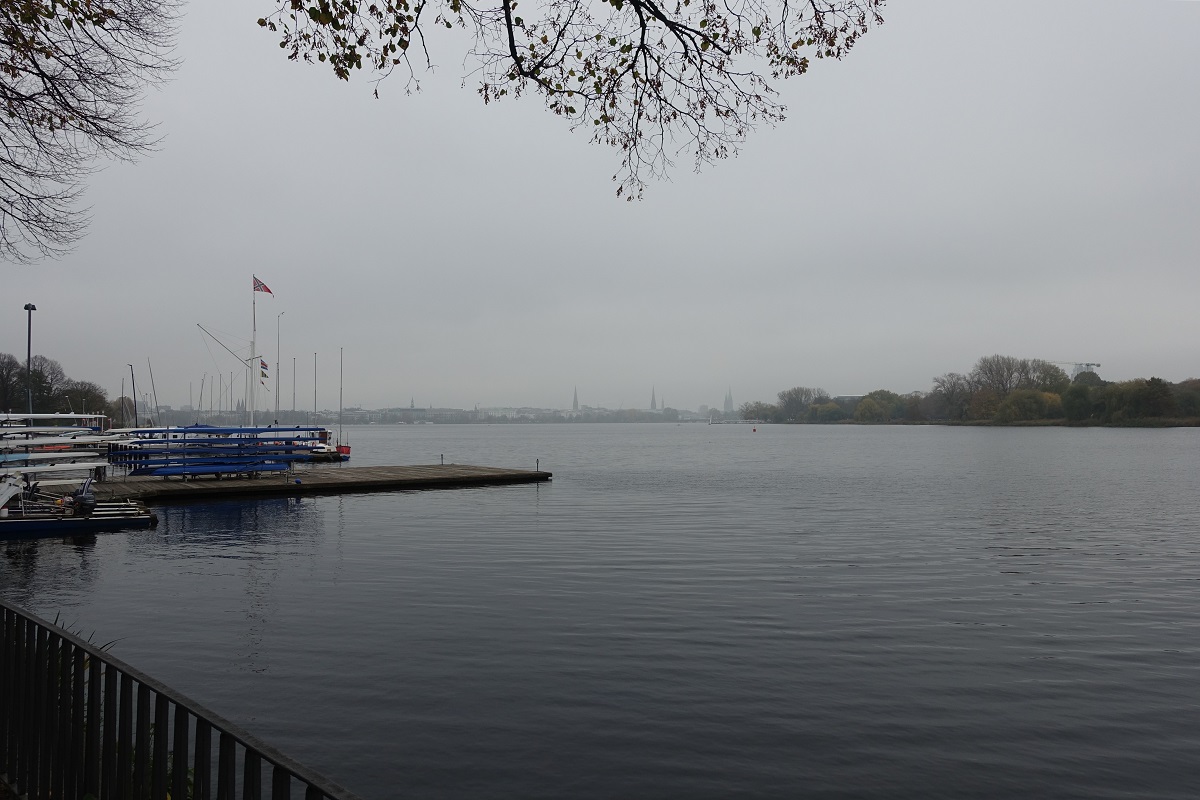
x: 241, y: 341
x: 210, y: 353
x: 226, y: 347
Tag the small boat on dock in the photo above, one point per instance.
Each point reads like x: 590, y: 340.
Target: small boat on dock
x: 26, y: 511
x: 46, y: 476
x: 61, y: 454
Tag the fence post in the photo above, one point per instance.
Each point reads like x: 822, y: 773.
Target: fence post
x: 38, y: 715
x: 6, y: 680
x: 251, y: 776
x: 141, y: 758
x: 281, y: 784
x: 125, y: 739
x: 91, y: 748
x: 161, y: 742
x: 75, y: 776
x: 202, y: 764
x: 179, y: 760
x: 108, y: 751
x: 62, y: 744
x: 227, y: 768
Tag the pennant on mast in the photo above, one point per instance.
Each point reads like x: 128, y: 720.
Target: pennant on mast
x: 259, y: 286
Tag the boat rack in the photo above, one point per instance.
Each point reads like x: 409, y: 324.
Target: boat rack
x: 206, y: 450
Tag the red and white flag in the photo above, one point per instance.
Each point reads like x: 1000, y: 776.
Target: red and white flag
x: 259, y: 286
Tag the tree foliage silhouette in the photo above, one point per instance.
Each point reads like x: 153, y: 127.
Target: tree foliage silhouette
x: 653, y: 79
x: 72, y: 74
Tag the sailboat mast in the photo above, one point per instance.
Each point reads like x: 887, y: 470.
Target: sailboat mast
x: 278, y: 317
x: 154, y: 392
x: 250, y: 381
x: 341, y: 360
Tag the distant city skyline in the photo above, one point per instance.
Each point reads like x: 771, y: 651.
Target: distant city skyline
x: 575, y: 406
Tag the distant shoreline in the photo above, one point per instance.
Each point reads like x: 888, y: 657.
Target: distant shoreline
x: 1156, y: 422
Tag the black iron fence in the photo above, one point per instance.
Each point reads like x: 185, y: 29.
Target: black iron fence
x: 77, y: 723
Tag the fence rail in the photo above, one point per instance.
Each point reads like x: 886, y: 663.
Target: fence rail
x: 77, y: 723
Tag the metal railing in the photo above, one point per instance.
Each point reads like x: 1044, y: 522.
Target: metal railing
x: 77, y: 723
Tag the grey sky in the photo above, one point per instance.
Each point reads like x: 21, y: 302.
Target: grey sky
x: 1018, y: 177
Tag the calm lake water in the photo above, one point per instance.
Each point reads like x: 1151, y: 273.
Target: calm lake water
x: 690, y: 611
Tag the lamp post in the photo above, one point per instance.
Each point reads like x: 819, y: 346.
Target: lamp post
x: 30, y: 307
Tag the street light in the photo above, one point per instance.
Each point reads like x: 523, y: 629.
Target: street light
x: 30, y: 307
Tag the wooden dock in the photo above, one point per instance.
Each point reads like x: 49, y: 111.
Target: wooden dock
x: 330, y: 479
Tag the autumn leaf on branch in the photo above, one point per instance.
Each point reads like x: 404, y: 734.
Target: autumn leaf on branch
x: 649, y: 78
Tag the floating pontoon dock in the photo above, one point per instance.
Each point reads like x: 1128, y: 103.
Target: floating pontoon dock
x: 317, y: 480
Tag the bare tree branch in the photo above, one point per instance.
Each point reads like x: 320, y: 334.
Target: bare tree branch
x: 72, y: 76
x: 643, y: 77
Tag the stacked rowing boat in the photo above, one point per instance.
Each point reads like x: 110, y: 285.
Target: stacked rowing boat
x: 197, y: 450
x: 47, y: 465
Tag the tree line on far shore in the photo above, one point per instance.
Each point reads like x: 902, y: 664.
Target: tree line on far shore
x: 53, y: 392
x: 1000, y: 390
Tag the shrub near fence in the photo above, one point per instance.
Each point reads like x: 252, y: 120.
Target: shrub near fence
x: 78, y: 723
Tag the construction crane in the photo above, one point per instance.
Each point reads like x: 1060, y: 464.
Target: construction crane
x: 1079, y: 366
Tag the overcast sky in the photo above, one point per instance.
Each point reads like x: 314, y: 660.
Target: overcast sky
x: 1018, y: 177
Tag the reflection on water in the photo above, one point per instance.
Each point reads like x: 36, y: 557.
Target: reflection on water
x: 30, y: 565
x: 239, y: 523
x: 266, y: 536
x: 690, y: 611
x: 239, y: 544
